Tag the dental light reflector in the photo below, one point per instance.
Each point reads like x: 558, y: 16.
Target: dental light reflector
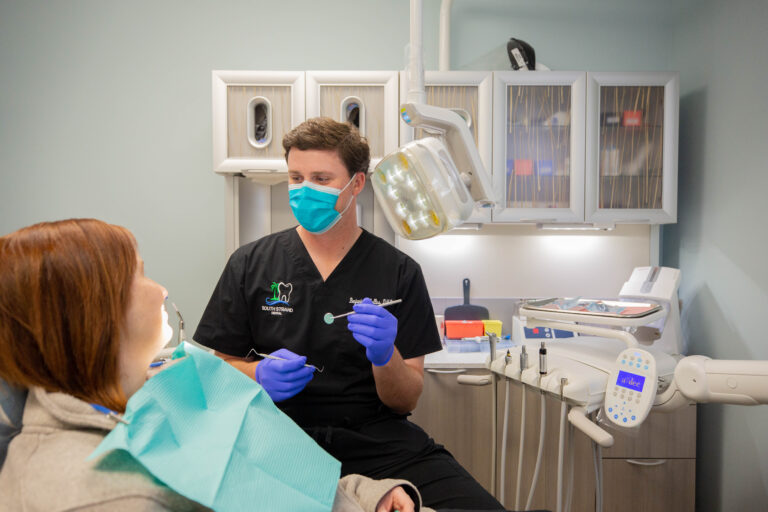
x: 420, y: 190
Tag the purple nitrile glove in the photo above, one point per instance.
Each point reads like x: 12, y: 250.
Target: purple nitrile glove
x: 375, y: 328
x: 283, y: 379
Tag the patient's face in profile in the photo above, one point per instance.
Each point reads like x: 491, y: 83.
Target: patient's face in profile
x: 145, y: 331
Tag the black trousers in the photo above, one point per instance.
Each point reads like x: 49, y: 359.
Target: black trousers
x: 393, y: 447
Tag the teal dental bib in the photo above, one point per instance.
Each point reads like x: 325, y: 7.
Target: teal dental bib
x: 213, y: 435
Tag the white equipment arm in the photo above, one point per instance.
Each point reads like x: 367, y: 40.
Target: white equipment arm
x: 459, y: 141
x: 704, y: 380
x: 578, y: 417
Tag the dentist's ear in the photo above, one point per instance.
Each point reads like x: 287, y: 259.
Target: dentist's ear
x: 359, y: 183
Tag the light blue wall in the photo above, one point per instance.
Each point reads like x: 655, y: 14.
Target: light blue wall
x: 105, y: 108
x: 105, y: 111
x: 720, y: 241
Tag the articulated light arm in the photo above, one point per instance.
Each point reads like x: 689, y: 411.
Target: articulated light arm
x: 453, y: 129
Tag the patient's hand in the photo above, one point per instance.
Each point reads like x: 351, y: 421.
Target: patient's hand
x: 396, y: 499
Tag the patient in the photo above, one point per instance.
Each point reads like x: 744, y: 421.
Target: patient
x: 80, y: 325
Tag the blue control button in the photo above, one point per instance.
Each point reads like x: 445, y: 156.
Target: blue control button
x: 646, y: 367
x: 610, y: 409
x: 633, y: 418
x: 616, y: 416
x: 639, y: 360
x: 625, y: 420
x: 623, y: 361
x: 638, y: 365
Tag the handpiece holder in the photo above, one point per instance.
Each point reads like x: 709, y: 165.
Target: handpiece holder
x: 453, y: 129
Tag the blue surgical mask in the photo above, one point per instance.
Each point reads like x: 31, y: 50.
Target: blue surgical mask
x: 314, y: 205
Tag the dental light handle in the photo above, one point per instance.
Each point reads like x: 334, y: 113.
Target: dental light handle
x: 458, y: 139
x: 578, y: 418
x: 703, y: 380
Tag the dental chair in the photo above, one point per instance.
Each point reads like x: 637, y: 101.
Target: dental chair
x: 12, y: 401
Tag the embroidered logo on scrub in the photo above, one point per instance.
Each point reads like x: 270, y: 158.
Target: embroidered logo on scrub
x: 280, y: 301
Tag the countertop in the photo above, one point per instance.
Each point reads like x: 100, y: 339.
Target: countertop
x: 445, y: 359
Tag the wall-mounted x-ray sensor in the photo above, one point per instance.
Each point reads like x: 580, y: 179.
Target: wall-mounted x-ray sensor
x: 259, y: 122
x: 353, y: 111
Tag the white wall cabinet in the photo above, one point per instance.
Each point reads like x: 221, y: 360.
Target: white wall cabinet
x: 585, y: 147
x: 562, y: 147
x: 367, y: 99
x: 252, y: 111
x: 538, y: 146
x: 632, y: 133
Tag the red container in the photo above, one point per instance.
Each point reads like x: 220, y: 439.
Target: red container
x: 457, y: 329
x: 523, y: 167
x: 632, y: 118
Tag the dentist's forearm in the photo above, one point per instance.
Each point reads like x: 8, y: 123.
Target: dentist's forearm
x: 398, y: 384
x: 247, y: 367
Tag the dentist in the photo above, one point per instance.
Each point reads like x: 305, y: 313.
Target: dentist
x: 273, y: 294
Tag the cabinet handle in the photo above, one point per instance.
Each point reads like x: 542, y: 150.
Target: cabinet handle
x: 458, y: 370
x: 644, y: 463
x: 474, y: 380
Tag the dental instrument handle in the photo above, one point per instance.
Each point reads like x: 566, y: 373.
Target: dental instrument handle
x: 504, y: 431
x: 543, y: 359
x: 520, y: 448
x: 182, y: 335
x: 383, y: 304
x: 578, y: 418
x: 561, y: 450
x: 270, y: 356
x: 540, y: 451
x: 494, y: 418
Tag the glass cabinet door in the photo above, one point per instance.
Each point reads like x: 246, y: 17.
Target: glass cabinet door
x: 469, y: 94
x: 539, y: 146
x: 632, y: 147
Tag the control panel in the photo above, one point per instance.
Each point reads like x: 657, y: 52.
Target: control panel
x: 631, y: 388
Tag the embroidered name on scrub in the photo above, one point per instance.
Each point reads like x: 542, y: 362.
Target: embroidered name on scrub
x: 378, y: 302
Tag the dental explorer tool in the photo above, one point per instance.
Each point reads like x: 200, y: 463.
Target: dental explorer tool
x: 270, y: 356
x: 181, y: 324
x: 329, y: 318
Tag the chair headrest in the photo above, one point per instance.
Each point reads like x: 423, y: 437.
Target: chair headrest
x: 12, y: 401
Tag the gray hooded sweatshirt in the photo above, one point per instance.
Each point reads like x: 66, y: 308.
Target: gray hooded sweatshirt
x: 46, y: 468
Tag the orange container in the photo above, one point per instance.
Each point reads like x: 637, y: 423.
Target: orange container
x: 457, y: 329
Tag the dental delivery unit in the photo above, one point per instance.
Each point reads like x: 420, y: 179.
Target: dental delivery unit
x: 610, y: 362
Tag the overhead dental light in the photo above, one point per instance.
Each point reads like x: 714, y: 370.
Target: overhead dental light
x: 430, y: 185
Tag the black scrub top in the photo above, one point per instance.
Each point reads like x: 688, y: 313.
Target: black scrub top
x: 271, y: 296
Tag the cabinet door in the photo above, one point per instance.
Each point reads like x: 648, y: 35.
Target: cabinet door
x: 662, y: 435
x: 538, y: 146
x: 469, y: 94
x: 649, y: 484
x: 632, y: 127
x: 458, y: 417
x: 367, y: 99
x: 252, y: 111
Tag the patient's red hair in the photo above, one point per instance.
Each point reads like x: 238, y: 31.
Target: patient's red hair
x: 64, y: 290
